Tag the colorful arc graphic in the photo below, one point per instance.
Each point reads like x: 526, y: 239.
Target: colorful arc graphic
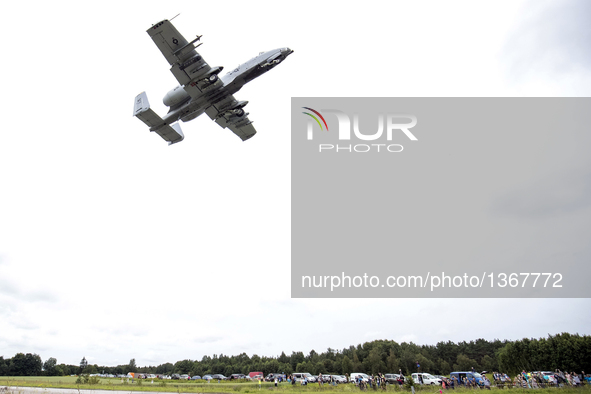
x: 317, y: 113
x: 315, y: 118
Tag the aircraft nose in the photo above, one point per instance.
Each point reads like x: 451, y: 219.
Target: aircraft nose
x: 287, y: 51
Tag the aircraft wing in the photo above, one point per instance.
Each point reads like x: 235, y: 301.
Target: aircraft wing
x: 187, y: 66
x: 228, y: 113
x: 141, y: 109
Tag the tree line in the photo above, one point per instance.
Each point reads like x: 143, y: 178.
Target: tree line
x: 570, y: 352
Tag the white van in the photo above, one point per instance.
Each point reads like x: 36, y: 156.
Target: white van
x: 426, y: 378
x: 355, y: 376
x: 299, y: 376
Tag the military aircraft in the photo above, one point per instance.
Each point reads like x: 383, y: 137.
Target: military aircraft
x: 201, y: 89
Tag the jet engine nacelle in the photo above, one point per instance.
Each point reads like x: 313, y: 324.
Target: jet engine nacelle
x: 175, y: 96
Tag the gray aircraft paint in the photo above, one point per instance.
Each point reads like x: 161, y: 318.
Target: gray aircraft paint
x: 201, y: 90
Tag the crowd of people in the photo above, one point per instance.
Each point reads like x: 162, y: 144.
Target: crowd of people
x: 524, y: 380
x: 536, y: 380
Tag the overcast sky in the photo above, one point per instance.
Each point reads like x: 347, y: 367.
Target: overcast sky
x: 114, y: 245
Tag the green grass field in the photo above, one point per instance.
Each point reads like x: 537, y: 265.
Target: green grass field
x: 200, y: 386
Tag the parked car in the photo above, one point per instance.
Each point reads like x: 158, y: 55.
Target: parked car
x: 392, y: 378
x: 207, y: 377
x: 467, y: 375
x: 254, y: 375
x: 175, y: 376
x: 196, y: 377
x: 236, y: 376
x: 339, y: 379
x: 425, y: 378
x: 219, y: 376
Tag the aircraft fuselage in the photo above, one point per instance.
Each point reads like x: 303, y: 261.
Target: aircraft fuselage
x: 229, y: 84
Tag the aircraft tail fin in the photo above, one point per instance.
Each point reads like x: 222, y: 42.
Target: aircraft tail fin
x: 141, y: 109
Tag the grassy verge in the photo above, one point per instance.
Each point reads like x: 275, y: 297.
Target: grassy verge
x: 243, y: 387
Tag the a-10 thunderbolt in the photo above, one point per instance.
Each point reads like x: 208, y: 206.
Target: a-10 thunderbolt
x: 201, y: 89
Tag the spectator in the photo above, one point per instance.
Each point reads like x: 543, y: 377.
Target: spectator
x: 541, y: 380
x: 561, y: 374
x: 576, y: 379
x: 486, y: 382
x: 400, y: 380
